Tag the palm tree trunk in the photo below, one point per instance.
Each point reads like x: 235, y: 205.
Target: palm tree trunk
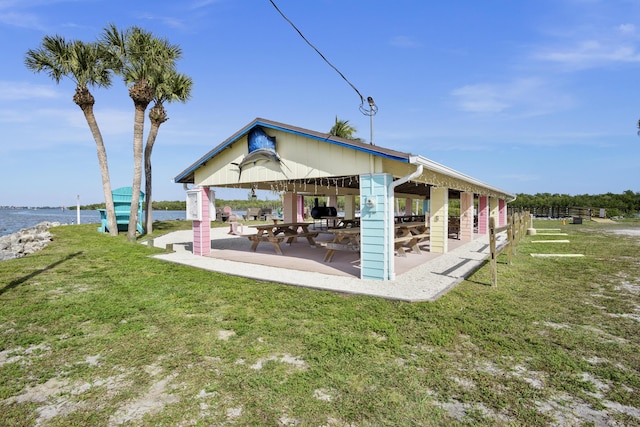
x: 138, y: 130
x: 104, y: 168
x: 151, y: 139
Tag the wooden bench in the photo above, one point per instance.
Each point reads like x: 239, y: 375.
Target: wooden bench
x: 253, y: 213
x: 221, y: 215
x: 342, y: 246
x: 454, y: 226
x: 345, y: 239
x: 276, y: 240
x: 410, y: 241
x: 265, y: 214
x: 308, y: 234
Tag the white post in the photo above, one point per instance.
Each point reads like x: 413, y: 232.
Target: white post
x: 78, y: 209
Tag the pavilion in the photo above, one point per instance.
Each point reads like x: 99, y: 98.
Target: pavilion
x: 300, y: 163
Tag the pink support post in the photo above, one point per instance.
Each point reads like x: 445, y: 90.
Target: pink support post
x: 483, y: 215
x: 300, y: 200
x: 502, y: 212
x: 202, y: 228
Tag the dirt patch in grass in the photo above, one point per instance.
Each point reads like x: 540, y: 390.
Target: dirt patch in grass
x: 555, y: 344
x: 628, y: 231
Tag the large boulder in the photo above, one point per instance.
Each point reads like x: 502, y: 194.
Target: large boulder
x: 26, y: 241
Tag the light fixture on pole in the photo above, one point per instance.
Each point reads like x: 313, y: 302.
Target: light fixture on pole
x: 373, y: 109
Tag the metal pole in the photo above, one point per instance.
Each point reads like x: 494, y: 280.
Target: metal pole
x: 371, y: 128
x: 78, y: 209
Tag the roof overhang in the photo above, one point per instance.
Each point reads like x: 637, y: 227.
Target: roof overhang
x: 435, y: 174
x: 187, y: 176
x: 458, y: 176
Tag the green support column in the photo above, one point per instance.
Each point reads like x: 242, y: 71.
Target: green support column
x: 375, y: 213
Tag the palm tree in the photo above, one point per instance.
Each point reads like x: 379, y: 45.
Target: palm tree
x: 85, y: 65
x: 171, y: 86
x: 139, y: 57
x: 343, y: 129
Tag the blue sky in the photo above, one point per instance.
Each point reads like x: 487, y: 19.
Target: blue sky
x: 529, y: 96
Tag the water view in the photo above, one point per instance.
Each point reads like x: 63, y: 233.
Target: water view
x: 12, y: 220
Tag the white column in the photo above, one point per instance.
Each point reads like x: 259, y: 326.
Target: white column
x: 290, y: 207
x: 349, y: 207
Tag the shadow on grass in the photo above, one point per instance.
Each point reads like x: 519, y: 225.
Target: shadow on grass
x: 474, y: 271
x: 21, y: 280
x: 163, y: 225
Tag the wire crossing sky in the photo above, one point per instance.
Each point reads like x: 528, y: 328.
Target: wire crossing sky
x: 320, y: 53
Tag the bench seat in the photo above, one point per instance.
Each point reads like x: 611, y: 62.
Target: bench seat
x: 280, y: 238
x: 342, y: 247
x: 411, y: 241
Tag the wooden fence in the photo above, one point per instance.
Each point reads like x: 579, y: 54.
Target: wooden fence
x: 516, y: 227
x: 560, y: 212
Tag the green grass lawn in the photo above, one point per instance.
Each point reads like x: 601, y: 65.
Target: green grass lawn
x: 95, y: 332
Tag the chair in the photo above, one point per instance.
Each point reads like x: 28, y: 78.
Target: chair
x: 122, y: 205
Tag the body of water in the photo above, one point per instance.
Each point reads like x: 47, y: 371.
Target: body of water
x: 12, y: 220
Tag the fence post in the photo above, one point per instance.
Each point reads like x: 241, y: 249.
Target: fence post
x: 492, y: 248
x: 511, y: 231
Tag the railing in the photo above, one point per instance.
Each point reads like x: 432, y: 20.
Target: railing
x: 516, y: 227
x: 559, y: 212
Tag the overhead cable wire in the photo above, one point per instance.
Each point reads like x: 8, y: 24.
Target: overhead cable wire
x: 373, y: 108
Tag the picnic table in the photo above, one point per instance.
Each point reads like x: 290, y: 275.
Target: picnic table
x: 277, y: 233
x: 335, y: 220
x: 347, y: 223
x: 344, y: 239
x: 410, y: 234
x: 409, y: 218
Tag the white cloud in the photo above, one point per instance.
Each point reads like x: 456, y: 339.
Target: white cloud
x: 169, y: 21
x: 21, y: 20
x: 13, y: 91
x: 13, y: 116
x: 202, y: 3
x: 523, y: 97
x: 69, y: 124
x: 111, y: 121
x: 591, y: 53
x: 601, y: 47
x: 403, y: 41
x: 480, y: 98
x: 627, y: 28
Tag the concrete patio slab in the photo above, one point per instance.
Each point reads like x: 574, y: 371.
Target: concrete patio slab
x: 423, y: 277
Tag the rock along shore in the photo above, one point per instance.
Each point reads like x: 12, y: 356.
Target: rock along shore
x: 26, y: 241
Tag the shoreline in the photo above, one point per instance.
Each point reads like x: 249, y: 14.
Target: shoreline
x: 26, y: 241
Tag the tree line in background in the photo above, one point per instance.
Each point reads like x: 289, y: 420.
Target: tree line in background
x: 624, y: 204
x: 181, y: 205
